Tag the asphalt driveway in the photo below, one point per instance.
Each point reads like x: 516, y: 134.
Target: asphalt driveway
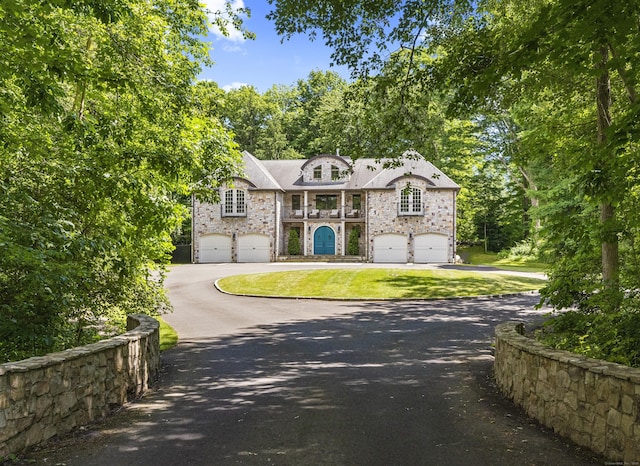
x: 308, y: 382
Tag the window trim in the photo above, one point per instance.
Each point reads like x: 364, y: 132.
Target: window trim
x: 411, y: 202
x: 322, y: 201
x: 358, y: 205
x: 294, y: 198
x: 234, y: 203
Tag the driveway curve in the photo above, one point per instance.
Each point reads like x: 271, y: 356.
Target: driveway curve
x: 259, y: 381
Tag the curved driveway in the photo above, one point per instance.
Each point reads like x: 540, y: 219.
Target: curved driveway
x: 308, y: 382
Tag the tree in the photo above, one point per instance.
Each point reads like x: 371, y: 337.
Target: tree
x: 99, y: 140
x: 247, y: 115
x: 508, y: 50
x: 310, y: 93
x: 278, y: 139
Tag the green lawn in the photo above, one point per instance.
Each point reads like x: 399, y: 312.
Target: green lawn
x: 475, y: 255
x: 376, y: 284
x: 168, y: 336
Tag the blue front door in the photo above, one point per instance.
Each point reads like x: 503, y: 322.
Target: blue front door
x: 324, y: 241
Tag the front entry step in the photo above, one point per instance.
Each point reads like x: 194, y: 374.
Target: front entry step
x: 322, y: 258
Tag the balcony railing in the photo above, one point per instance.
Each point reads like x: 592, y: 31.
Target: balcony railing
x: 298, y: 214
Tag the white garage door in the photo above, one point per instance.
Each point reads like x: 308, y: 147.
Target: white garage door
x: 430, y: 248
x: 215, y: 248
x: 390, y: 248
x: 253, y: 248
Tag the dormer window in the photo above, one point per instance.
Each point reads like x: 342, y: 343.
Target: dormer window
x: 411, y: 201
x: 335, y: 173
x: 317, y: 173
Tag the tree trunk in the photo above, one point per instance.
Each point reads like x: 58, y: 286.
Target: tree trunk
x: 609, y: 248
x: 607, y: 210
x: 81, y: 87
x: 530, y: 187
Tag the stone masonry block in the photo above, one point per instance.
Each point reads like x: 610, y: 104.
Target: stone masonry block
x: 628, y: 405
x: 562, y: 379
x: 626, y: 424
x: 614, y: 417
x: 571, y: 400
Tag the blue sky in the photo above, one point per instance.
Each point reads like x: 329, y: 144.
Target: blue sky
x: 264, y: 61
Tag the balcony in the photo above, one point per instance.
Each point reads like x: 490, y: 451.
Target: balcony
x: 350, y: 215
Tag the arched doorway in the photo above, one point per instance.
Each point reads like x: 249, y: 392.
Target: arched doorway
x: 324, y: 241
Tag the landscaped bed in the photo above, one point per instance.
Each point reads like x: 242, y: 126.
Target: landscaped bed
x: 382, y: 283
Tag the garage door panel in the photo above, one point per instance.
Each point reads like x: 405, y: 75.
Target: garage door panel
x: 390, y: 248
x: 431, y: 248
x: 253, y: 248
x: 215, y: 248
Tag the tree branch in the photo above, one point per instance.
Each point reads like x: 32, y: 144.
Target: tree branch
x: 629, y: 86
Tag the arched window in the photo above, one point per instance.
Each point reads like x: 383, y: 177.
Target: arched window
x: 234, y: 203
x: 411, y: 201
x: 317, y: 173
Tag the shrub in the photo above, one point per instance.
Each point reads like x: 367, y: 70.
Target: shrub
x: 524, y: 250
x: 293, y: 247
x: 613, y: 337
x: 353, y: 246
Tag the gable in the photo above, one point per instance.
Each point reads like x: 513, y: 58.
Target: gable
x: 411, y: 165
x: 326, y: 169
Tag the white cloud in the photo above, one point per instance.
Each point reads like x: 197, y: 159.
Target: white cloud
x: 213, y: 6
x: 234, y: 85
x: 234, y: 49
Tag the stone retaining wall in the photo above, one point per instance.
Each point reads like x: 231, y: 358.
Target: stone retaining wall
x: 592, y: 402
x: 46, y: 396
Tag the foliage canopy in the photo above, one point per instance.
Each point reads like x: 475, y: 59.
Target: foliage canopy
x: 99, y: 138
x: 556, y: 81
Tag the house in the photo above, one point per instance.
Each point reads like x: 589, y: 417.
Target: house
x: 404, y: 212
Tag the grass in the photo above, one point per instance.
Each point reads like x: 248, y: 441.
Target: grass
x: 476, y: 255
x: 168, y: 336
x: 377, y: 284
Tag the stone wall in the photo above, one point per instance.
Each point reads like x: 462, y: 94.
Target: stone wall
x: 260, y: 219
x: 439, y: 215
x: 49, y: 396
x: 592, y: 402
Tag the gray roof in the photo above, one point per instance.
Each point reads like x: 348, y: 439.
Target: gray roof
x: 366, y: 174
x: 257, y: 174
x: 412, y: 166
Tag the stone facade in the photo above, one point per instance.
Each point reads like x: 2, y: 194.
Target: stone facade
x: 592, y: 402
x: 49, y: 396
x: 439, y: 215
x: 326, y: 166
x: 260, y: 219
x: 324, y: 198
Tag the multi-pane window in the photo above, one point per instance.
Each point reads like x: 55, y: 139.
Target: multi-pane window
x: 326, y: 201
x: 335, y: 173
x: 317, y: 172
x: 234, y: 203
x: 295, y: 202
x: 356, y: 201
x: 416, y: 200
x: 411, y: 201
